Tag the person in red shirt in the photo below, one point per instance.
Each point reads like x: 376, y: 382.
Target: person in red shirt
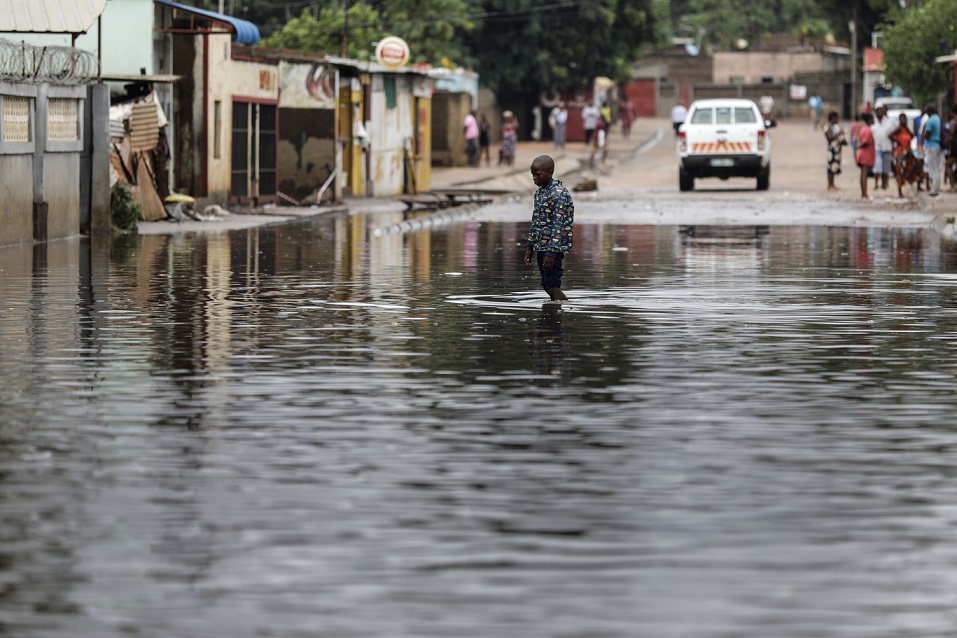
x: 626, y: 113
x: 866, y: 155
x: 854, y: 130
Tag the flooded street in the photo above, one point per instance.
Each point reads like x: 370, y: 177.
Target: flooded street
x: 319, y: 429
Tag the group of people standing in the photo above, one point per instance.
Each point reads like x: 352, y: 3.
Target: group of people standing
x: 885, y: 146
x: 478, y: 139
x: 596, y: 121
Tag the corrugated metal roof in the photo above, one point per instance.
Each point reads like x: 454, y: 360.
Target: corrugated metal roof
x: 49, y: 16
x: 245, y: 31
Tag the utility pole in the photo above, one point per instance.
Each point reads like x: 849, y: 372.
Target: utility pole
x: 345, y: 26
x: 852, y: 27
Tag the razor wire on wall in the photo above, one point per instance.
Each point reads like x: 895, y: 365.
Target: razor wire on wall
x: 22, y: 62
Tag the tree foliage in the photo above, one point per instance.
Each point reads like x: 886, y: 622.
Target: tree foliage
x: 327, y: 32
x: 429, y: 26
x: 523, y: 46
x: 723, y: 22
x: 910, y: 45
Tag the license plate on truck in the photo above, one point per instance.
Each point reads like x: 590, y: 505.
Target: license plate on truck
x: 722, y: 162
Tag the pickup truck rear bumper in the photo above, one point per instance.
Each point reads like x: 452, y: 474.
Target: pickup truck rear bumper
x: 725, y: 165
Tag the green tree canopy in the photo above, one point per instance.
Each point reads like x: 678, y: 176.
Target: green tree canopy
x: 326, y: 33
x: 522, y: 46
x: 429, y: 26
x: 723, y: 22
x: 910, y: 45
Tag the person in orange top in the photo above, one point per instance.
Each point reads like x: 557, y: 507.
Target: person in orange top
x: 907, y: 167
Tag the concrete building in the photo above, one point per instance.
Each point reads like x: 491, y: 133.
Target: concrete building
x: 54, y: 162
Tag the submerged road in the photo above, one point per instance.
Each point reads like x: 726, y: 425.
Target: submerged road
x: 640, y: 186
x: 359, y: 425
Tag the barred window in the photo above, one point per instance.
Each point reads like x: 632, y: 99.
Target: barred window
x: 63, y: 124
x: 16, y: 118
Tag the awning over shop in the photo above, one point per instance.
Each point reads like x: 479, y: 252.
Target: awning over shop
x: 244, y: 32
x: 49, y: 16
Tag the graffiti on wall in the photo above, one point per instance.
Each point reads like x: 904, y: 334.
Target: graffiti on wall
x: 307, y: 86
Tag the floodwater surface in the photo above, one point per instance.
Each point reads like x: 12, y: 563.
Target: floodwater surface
x: 317, y: 430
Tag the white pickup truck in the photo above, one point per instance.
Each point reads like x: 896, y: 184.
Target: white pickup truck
x: 724, y: 138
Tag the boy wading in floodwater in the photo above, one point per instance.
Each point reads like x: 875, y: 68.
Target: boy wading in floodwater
x: 550, y: 235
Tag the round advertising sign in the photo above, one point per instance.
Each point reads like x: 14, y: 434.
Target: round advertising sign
x: 392, y: 52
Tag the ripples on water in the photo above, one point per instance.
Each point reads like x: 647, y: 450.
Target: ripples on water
x: 293, y: 432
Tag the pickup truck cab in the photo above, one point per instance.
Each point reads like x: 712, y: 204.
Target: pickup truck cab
x: 724, y: 138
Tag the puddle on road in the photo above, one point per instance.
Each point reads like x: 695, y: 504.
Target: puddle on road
x: 309, y: 430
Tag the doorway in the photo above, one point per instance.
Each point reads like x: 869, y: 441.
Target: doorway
x: 254, y: 152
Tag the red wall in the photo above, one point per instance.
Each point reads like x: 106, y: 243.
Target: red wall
x: 642, y: 95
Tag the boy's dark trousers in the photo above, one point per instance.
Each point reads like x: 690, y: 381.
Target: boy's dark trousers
x: 551, y: 278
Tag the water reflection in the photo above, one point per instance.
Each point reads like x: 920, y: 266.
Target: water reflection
x: 321, y: 430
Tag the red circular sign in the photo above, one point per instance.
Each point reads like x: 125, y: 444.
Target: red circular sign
x: 392, y: 52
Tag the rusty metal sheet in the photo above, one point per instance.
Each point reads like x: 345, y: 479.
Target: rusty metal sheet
x: 144, y: 127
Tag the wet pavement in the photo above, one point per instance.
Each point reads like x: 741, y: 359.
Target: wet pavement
x: 351, y: 425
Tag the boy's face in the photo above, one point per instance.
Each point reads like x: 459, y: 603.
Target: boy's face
x: 541, y: 176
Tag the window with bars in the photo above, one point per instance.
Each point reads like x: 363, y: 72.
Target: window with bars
x: 16, y: 119
x: 63, y: 123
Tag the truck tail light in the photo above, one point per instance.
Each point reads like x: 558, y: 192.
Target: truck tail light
x: 761, y: 140
x: 683, y: 142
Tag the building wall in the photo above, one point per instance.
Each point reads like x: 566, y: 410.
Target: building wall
x: 391, y: 132
x: 16, y: 193
x: 230, y: 80
x: 307, y: 150
x: 753, y: 67
x: 62, y: 195
x: 307, y: 127
x: 41, y: 139
x: 187, y: 115
x: 422, y: 112
x: 448, y: 140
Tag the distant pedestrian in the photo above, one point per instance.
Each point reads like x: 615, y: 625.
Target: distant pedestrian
x: 558, y: 120
x: 855, y: 130
x: 590, y: 115
x: 866, y: 153
x: 907, y: 167
x: 949, y: 142
x: 627, y: 114
x: 868, y: 108
x: 551, y: 230
x: 816, y: 105
x: 472, y: 137
x: 485, y: 139
x: 506, y: 154
x: 766, y: 104
x: 933, y: 153
x: 678, y: 114
x: 599, y: 142
x: 882, y: 128
x: 605, y: 112
x: 836, y: 141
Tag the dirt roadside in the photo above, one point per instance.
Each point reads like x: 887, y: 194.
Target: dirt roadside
x: 645, y: 164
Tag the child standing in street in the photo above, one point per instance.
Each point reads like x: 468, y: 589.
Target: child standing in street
x: 550, y: 234
x: 866, y: 155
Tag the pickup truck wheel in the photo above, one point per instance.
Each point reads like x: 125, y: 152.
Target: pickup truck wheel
x: 764, y: 179
x: 685, y: 180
